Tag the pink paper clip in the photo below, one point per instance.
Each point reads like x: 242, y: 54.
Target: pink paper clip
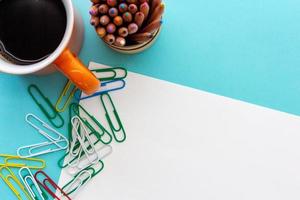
x: 51, y: 183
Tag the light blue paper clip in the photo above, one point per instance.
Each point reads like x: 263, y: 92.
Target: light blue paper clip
x: 105, y: 87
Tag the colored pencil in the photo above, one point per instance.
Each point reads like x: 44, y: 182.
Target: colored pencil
x: 157, y: 13
x: 139, y: 18
x: 144, y: 8
x: 153, y: 26
x: 141, y: 37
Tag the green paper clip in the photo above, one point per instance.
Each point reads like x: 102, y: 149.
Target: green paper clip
x: 50, y: 116
x: 63, y: 94
x: 100, y: 132
x: 113, y: 71
x: 77, y: 145
x: 119, y: 132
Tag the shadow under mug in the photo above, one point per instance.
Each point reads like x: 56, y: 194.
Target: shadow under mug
x: 63, y: 58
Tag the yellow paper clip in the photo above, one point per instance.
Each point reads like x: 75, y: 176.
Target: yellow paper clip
x: 63, y: 94
x: 8, y: 177
x: 18, y: 162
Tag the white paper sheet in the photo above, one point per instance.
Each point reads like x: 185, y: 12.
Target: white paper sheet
x: 183, y: 143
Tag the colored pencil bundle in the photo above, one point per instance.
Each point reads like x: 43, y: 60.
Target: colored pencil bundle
x: 126, y: 22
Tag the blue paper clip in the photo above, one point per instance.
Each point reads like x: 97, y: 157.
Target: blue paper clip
x: 105, y: 87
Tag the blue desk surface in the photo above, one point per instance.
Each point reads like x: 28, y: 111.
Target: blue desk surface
x: 247, y: 50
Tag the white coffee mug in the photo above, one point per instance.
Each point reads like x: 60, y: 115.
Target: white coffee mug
x: 63, y: 58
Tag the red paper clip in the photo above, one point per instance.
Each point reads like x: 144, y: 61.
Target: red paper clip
x: 43, y: 183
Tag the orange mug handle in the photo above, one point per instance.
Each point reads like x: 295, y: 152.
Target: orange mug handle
x: 73, y: 68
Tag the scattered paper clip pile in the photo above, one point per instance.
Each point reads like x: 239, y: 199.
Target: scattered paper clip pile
x: 88, y: 141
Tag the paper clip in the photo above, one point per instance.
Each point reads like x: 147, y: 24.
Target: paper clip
x: 30, y: 184
x: 76, y: 148
x: 118, y: 132
x: 85, y: 141
x: 108, y: 86
x: 8, y: 162
x: 96, y: 168
x: 94, y: 125
x: 9, y: 179
x: 43, y: 183
x: 113, y: 71
x: 41, y: 123
x: 63, y: 94
x: 73, y: 160
x: 60, y: 142
x: 80, y: 180
x: 50, y: 116
x: 75, y: 170
x: 72, y: 113
x: 81, y: 161
x: 91, y: 171
x: 74, y: 145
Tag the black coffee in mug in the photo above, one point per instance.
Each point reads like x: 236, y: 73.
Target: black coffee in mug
x: 30, y: 30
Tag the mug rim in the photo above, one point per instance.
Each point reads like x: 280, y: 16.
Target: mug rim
x: 8, y: 67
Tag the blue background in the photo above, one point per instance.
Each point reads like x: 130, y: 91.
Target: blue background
x: 247, y: 50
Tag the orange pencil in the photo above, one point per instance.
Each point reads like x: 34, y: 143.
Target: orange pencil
x: 118, y: 20
x: 101, y: 31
